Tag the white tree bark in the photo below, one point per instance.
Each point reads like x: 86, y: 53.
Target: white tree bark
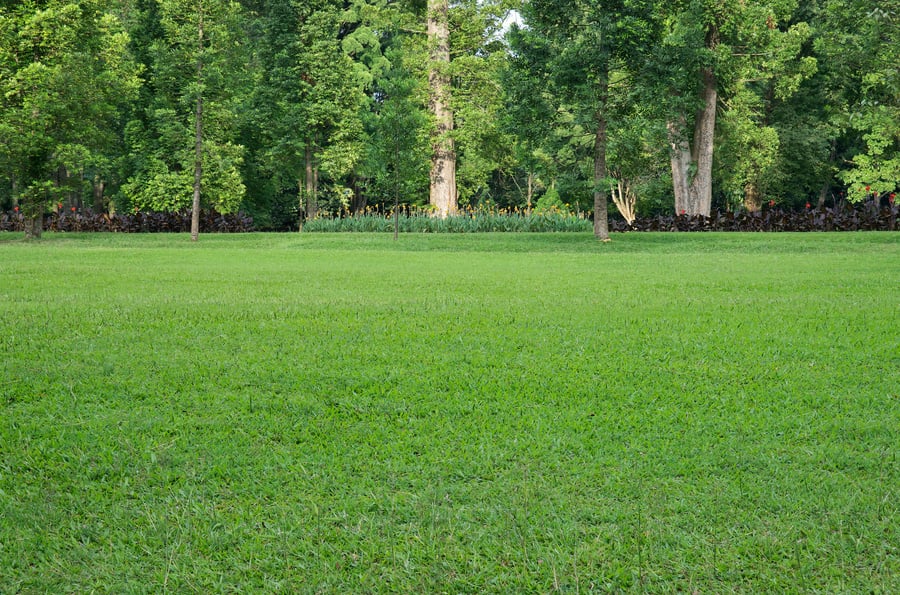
x: 692, y: 163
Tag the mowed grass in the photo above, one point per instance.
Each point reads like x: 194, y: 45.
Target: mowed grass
x: 462, y: 414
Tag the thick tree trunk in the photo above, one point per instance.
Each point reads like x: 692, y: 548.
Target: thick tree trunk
x: 680, y: 156
x: 601, y: 214
x: 442, y: 195
x: 34, y: 227
x: 198, y: 133
x: 692, y: 163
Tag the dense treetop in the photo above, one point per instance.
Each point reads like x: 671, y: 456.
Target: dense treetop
x: 288, y: 109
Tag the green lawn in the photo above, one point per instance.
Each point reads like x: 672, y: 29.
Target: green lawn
x: 461, y: 414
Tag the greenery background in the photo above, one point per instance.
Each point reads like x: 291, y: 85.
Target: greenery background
x: 98, y: 102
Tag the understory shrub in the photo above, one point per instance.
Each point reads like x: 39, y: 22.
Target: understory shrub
x: 840, y: 218
x: 210, y: 222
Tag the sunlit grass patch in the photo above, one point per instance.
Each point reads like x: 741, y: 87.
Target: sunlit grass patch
x: 491, y: 413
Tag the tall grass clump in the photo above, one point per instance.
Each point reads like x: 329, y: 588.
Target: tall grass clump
x: 479, y: 220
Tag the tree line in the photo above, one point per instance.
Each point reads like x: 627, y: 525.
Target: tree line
x: 286, y: 109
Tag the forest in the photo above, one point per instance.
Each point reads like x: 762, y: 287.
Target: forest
x: 289, y: 110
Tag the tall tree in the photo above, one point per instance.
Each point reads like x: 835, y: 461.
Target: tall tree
x: 442, y: 192
x: 856, y: 42
x: 724, y: 56
x: 397, y: 128
x: 766, y: 65
x: 307, y: 105
x: 479, y: 53
x: 587, y: 41
x: 183, y: 135
x: 686, y: 63
x: 64, y: 75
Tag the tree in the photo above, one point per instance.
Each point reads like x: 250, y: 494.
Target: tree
x: 479, y: 54
x: 530, y: 111
x: 684, y: 72
x: 307, y: 105
x: 397, y: 134
x: 586, y: 42
x: 442, y: 192
x: 857, y: 44
x: 730, y: 56
x: 765, y: 70
x: 182, y: 137
x: 64, y: 75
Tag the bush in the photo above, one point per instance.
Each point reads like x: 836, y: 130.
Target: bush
x: 476, y: 221
x: 550, y: 202
x: 210, y: 222
x: 840, y: 218
x: 846, y: 218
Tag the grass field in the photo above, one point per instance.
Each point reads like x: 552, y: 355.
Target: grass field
x: 461, y: 414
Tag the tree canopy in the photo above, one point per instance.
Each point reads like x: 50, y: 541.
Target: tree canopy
x: 289, y: 109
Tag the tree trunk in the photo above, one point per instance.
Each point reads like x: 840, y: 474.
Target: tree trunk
x: 198, y: 132
x: 530, y: 193
x: 312, y: 208
x: 692, y: 163
x: 34, y: 227
x: 442, y: 193
x: 752, y: 198
x: 358, y: 205
x: 823, y: 194
x: 99, y: 186
x: 601, y: 215
x: 301, y: 210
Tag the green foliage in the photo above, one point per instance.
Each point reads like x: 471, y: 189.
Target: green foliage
x: 309, y: 98
x: 550, y: 202
x: 478, y: 58
x: 877, y: 169
x: 471, y: 221
x: 160, y: 136
x: 98, y: 98
x: 64, y: 78
x: 343, y: 413
x: 862, y: 105
x: 398, y: 134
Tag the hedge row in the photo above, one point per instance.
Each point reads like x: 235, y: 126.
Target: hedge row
x: 840, y: 218
x: 465, y: 222
x: 210, y: 222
